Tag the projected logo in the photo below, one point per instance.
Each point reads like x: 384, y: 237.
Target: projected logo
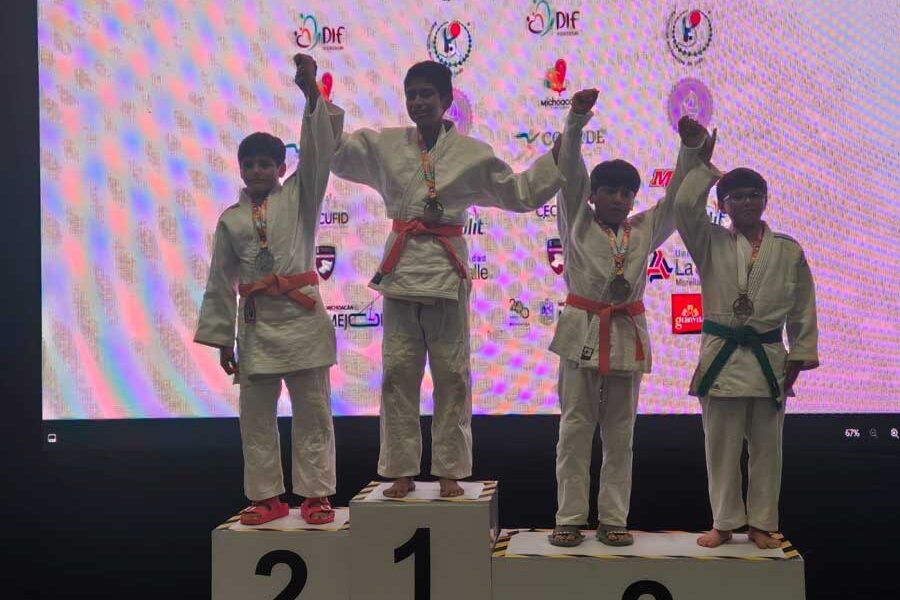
x: 325, y: 259
x: 478, y: 270
x: 310, y: 35
x: 519, y: 313
x: 591, y: 137
x: 450, y: 43
x: 554, y: 79
x: 542, y: 19
x: 685, y: 272
x: 547, y: 212
x: 460, y: 112
x: 692, y: 98
x: 687, y: 313
x: 346, y: 316
x: 689, y: 34
x: 555, y: 255
x: 325, y: 84
x: 661, y: 178
x: 658, y: 268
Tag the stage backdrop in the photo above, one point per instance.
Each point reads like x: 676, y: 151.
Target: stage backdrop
x: 143, y: 104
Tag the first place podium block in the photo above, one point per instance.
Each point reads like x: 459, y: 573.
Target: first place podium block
x: 284, y: 558
x: 659, y: 566
x: 423, y: 547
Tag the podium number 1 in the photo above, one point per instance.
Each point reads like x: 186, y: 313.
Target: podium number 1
x: 419, y: 545
x: 298, y: 571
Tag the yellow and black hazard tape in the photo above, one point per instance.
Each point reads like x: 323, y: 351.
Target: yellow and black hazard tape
x: 363, y: 493
x: 502, y: 546
x: 490, y: 487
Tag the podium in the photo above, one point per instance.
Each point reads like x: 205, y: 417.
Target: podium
x: 284, y: 558
x: 659, y: 566
x: 423, y: 547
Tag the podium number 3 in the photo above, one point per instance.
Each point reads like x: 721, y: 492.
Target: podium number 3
x: 419, y: 545
x: 298, y: 571
x: 651, y: 588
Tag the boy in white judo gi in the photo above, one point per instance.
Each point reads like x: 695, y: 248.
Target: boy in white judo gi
x: 264, y: 249
x: 428, y: 176
x: 756, y: 286
x: 601, y: 337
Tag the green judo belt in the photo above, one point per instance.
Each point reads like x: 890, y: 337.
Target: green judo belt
x: 740, y: 336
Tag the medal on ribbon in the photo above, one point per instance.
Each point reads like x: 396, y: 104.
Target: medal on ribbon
x: 619, y: 287
x: 434, y: 210
x: 265, y: 260
x: 742, y: 307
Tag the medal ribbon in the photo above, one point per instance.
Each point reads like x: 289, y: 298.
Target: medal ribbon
x: 427, y: 168
x: 260, y: 221
x: 744, y: 279
x: 618, y: 252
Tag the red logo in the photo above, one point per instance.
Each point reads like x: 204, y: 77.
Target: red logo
x: 687, y: 313
x: 555, y: 78
x: 325, y: 85
x: 661, y: 178
x: 555, y: 255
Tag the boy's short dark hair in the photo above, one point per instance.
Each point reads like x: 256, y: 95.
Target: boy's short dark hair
x: 262, y: 144
x: 742, y: 177
x: 434, y: 73
x: 616, y: 173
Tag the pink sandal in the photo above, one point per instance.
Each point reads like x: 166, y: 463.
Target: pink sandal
x: 263, y: 511
x: 317, y: 511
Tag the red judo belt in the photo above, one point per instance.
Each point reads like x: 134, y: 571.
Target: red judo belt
x: 278, y: 285
x: 442, y: 233
x: 605, y: 312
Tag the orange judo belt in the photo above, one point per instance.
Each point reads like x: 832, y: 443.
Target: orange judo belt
x: 405, y: 229
x: 605, y: 313
x: 277, y: 285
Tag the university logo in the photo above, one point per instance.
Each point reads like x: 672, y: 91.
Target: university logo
x: 542, y: 19
x: 684, y: 269
x: 555, y: 255
x: 692, y: 98
x: 547, y: 312
x: 325, y: 258
x: 689, y: 34
x: 309, y: 35
x: 658, y: 268
x: 460, y: 112
x: 661, y: 178
x: 687, y: 313
x: 450, y: 43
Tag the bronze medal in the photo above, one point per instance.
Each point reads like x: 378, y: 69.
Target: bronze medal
x: 619, y: 289
x: 265, y: 262
x: 742, y: 307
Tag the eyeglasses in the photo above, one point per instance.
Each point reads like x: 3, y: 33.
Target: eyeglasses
x: 744, y: 197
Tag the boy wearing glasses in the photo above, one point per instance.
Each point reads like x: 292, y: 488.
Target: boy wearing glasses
x: 601, y: 337
x: 756, y: 284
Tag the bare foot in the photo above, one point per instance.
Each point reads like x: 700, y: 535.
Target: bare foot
x: 400, y: 488
x: 713, y: 538
x: 762, y: 539
x: 450, y: 488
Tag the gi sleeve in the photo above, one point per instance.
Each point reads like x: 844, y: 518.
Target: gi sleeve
x: 802, y: 328
x: 664, y: 211
x: 690, y: 212
x: 218, y: 310
x: 357, y: 158
x: 518, y: 192
x: 575, y: 191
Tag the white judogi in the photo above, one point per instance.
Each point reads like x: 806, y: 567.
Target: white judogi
x: 588, y: 397
x: 287, y: 341
x: 426, y: 306
x: 738, y: 405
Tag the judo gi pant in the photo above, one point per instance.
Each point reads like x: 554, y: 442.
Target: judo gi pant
x: 312, y: 433
x: 438, y: 330
x: 588, y: 399
x: 727, y: 422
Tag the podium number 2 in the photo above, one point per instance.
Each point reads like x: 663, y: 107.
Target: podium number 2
x: 419, y: 545
x: 298, y: 571
x: 651, y: 588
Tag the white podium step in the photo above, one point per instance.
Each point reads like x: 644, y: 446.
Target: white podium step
x: 282, y: 559
x: 423, y: 547
x: 659, y: 566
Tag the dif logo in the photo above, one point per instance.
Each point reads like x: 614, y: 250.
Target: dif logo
x: 310, y: 34
x: 687, y: 313
x: 542, y: 19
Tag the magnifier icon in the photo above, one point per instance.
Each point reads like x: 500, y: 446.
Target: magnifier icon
x: 895, y: 434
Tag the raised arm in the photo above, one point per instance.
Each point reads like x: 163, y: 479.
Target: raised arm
x: 802, y: 328
x: 517, y: 192
x: 690, y: 204
x: 320, y: 131
x: 215, y: 326
x: 575, y: 191
x: 693, y: 139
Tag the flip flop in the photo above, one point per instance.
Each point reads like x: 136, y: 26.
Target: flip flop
x: 263, y: 511
x: 556, y: 538
x: 624, y: 537
x: 317, y: 511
